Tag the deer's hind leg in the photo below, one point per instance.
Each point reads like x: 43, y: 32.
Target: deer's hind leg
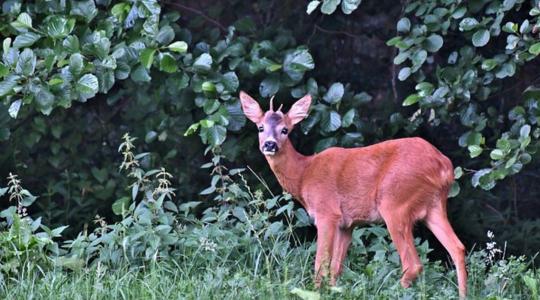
x: 437, y: 222
x: 400, y: 222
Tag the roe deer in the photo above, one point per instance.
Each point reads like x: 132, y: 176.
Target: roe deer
x: 399, y: 181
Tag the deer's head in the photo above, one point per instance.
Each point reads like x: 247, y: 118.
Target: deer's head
x: 274, y: 126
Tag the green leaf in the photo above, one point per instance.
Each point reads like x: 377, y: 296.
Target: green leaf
x: 168, y: 63
x: 23, y: 22
x: 331, y: 121
x: 87, y: 86
x: 532, y: 284
x: 312, y: 6
x: 140, y: 74
x: 525, y: 130
x: 150, y: 136
x: 510, y: 27
x: 71, y: 43
x: 506, y: 70
x: 4, y: 70
x: 45, y: 100
x: 26, y: 64
x: 454, y: 190
x: 237, y: 119
x: 192, y: 129
x: 6, y: 44
x: 362, y: 98
x: 165, y: 35
x: 57, y: 232
x: 496, y: 154
x: 203, y: 63
x: 305, y: 294
x: 433, y: 43
x: 459, y: 12
x: 179, y: 47
x: 334, y: 93
x: 230, y: 81
x: 481, y: 178
x: 7, y: 85
x: 418, y: 59
x: 404, y: 25
x: 26, y: 40
x: 58, y: 27
x: 474, y: 150
x: 458, y: 172
x: 76, y: 63
x: 269, y: 86
x: 329, y: 6
x: 297, y: 62
x: 348, y: 6
x: 531, y: 92
x: 534, y: 49
x: 489, y: 64
x: 508, y: 4
x: 214, y: 135
x: 348, y: 118
x: 14, y: 108
x: 100, y: 174
x: 209, y: 89
x: 411, y: 99
x: 480, y: 38
x: 147, y: 57
x: 404, y: 73
x: 468, y: 24
x: 85, y: 9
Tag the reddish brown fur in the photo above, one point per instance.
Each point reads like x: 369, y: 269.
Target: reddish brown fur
x: 398, y: 181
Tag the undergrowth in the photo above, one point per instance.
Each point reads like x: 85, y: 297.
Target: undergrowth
x: 243, y: 248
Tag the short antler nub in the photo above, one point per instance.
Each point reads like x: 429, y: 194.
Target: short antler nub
x: 272, y: 103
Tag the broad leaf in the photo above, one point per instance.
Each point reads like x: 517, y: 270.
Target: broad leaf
x: 329, y: 6
x: 87, y: 86
x: 334, y: 93
x: 203, y: 63
x: 480, y: 38
x: 14, y: 108
x: 147, y: 57
x: 26, y: 40
x: 180, y: 47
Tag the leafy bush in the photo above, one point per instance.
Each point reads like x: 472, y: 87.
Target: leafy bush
x: 240, y: 246
x: 76, y: 75
x: 24, y: 241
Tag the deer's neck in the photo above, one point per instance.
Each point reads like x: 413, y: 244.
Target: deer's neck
x: 289, y: 166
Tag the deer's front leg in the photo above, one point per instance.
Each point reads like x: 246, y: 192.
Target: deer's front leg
x: 326, y: 230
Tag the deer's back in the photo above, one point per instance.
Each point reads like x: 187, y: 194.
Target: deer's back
x: 354, y: 181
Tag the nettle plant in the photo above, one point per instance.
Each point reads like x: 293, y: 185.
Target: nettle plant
x: 148, y: 228
x: 23, y: 240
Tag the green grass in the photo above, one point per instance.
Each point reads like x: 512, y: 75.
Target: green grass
x: 263, y: 275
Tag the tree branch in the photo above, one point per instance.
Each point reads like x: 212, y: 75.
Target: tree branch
x: 197, y: 12
x: 319, y: 28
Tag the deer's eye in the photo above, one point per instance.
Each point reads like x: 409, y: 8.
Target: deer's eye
x: 284, y: 131
x: 261, y: 129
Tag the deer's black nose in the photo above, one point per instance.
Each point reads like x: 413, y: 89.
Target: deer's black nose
x: 270, y: 146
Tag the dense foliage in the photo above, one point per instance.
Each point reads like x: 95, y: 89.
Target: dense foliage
x: 242, y: 249
x: 75, y: 76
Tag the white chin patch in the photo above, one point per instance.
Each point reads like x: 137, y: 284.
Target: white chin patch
x: 269, y: 153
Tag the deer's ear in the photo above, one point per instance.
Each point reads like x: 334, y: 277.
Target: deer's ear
x: 300, y: 109
x: 251, y: 108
